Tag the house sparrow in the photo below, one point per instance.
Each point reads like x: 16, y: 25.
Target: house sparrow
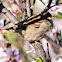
x: 35, y: 31
x: 36, y: 26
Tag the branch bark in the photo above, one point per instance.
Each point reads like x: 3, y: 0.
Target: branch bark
x: 11, y: 17
x: 28, y: 8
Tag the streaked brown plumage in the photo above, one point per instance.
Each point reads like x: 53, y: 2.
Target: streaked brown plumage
x: 37, y: 30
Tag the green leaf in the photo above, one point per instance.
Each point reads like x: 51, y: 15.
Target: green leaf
x: 60, y: 13
x: 41, y: 54
x: 40, y: 61
x: 37, y: 60
x: 34, y: 58
x: 57, y: 2
x: 42, y: 57
x: 5, y: 35
x: 34, y: 2
x: 57, y: 16
x: 60, y: 3
x: 21, y: 2
x: 41, y: 0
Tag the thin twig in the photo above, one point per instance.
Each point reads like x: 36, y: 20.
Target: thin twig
x: 28, y: 8
x: 48, y: 58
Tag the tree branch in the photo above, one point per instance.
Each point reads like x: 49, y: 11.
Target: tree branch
x: 28, y: 8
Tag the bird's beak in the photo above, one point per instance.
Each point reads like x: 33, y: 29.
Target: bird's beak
x: 49, y: 18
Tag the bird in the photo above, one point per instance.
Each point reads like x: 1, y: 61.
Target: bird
x: 36, y: 27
